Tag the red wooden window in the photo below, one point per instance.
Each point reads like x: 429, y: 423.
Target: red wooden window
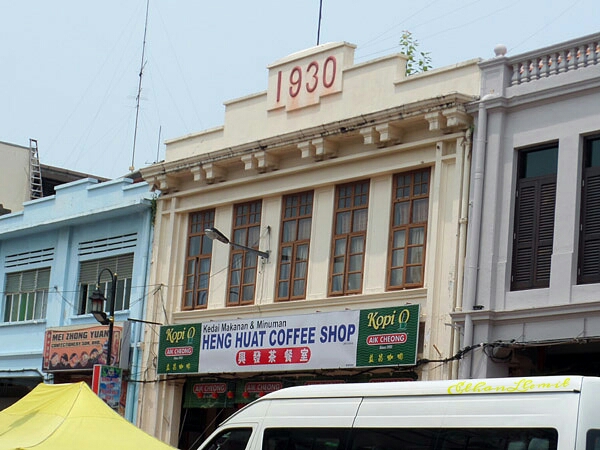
x: 294, y: 245
x: 349, y: 236
x: 410, y: 208
x: 198, y: 259
x: 244, y: 264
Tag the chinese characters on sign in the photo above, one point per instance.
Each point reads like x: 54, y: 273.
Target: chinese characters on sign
x: 79, y: 347
x: 388, y: 336
x: 345, y: 339
x: 178, y: 349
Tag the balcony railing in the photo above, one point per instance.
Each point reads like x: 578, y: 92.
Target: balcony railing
x: 561, y: 59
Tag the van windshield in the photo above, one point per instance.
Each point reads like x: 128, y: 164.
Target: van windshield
x: 230, y: 439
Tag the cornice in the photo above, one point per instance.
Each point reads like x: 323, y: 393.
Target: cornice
x: 543, y: 313
x: 445, y: 113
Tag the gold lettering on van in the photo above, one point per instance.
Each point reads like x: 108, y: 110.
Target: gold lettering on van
x: 520, y: 385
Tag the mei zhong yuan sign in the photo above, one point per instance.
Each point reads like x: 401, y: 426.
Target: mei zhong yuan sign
x: 344, y: 339
x: 79, y: 348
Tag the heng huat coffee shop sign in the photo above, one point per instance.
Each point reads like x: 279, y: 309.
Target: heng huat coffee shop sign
x: 344, y: 339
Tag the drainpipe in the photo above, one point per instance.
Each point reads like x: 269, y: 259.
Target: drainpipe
x: 137, y: 356
x: 462, y: 237
x: 474, y: 236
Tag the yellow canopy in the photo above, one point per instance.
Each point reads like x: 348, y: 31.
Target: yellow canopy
x: 69, y: 416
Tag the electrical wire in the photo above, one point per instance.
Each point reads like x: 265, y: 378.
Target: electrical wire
x: 546, y: 24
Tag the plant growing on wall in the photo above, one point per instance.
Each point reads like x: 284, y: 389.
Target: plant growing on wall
x: 417, y: 61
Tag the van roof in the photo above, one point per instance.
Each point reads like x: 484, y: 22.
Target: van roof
x: 448, y: 387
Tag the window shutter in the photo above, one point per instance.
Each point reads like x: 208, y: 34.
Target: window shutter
x: 122, y: 265
x: 524, y: 233
x: 534, y: 233
x: 589, y: 253
x: 28, y: 281
x: 547, y: 202
x: 13, y: 283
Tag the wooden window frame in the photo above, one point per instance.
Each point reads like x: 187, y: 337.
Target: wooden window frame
x: 535, y: 204
x: 243, y: 265
x: 300, y: 210
x: 407, y: 227
x: 588, y: 264
x: 349, y: 236
x: 196, y: 276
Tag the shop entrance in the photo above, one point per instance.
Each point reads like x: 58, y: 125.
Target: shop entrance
x: 559, y: 359
x: 198, y: 423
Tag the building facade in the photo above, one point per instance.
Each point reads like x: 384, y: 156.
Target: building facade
x: 324, y: 210
x: 15, y: 180
x: 532, y: 294
x: 53, y: 254
x: 23, y: 178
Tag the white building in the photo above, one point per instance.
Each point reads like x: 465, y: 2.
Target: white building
x: 532, y: 271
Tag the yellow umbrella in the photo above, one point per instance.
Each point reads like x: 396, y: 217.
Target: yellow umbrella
x: 69, y: 416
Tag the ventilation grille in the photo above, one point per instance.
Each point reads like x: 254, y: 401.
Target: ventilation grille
x: 28, y: 258
x: 126, y: 241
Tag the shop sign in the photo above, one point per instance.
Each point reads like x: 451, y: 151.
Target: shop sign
x: 106, y: 383
x: 223, y: 393
x: 344, y: 339
x: 202, y: 393
x: 179, y: 348
x: 252, y: 390
x: 210, y: 394
x: 300, y: 342
x: 388, y: 336
x: 78, y: 348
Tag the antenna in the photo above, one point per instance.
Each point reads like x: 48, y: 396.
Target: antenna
x: 319, y: 26
x: 139, y: 92
x: 158, y: 145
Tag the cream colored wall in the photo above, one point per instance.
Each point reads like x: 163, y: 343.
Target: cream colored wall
x: 436, y: 298
x: 249, y: 119
x: 368, y: 87
x: 14, y: 176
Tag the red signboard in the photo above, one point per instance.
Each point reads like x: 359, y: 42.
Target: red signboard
x: 79, y: 348
x: 290, y: 355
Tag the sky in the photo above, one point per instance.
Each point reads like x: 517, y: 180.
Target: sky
x: 69, y: 69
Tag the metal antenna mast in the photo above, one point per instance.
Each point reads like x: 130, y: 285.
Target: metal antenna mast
x: 139, y: 92
x: 158, y: 145
x: 319, y: 26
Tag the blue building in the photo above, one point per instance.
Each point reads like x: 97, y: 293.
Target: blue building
x: 53, y: 255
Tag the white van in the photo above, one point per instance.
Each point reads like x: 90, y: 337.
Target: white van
x: 538, y: 413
